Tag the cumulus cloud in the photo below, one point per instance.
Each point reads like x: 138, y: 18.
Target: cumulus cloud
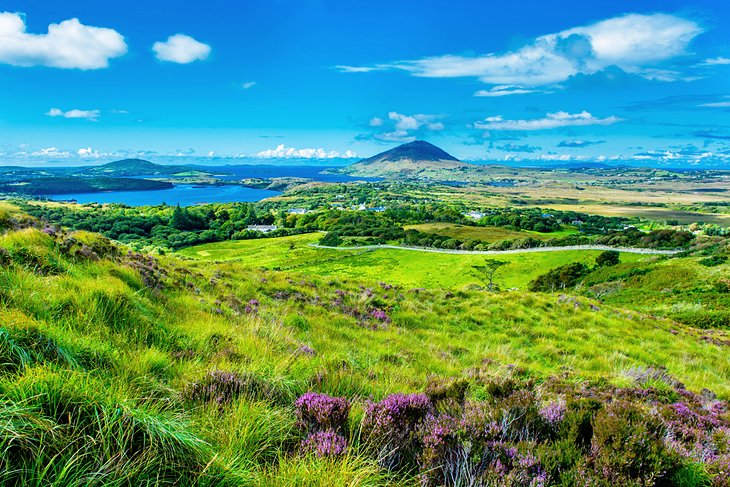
x: 248, y: 84
x: 69, y: 44
x: 91, y: 115
x: 398, y: 127
x: 636, y: 43
x: 181, y: 49
x: 51, y: 152
x: 283, y: 152
x: 505, y: 90
x: 88, y: 152
x: 577, y: 144
x: 551, y: 121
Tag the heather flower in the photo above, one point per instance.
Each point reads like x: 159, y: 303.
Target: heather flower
x: 252, y: 307
x: 380, y: 315
x: 390, y: 426
x: 325, y: 443
x: 317, y: 412
x: 553, y: 413
x: 306, y: 350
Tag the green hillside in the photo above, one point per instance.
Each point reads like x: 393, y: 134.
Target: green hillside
x: 120, y: 368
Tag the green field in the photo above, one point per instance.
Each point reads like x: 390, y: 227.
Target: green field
x: 403, y: 267
x: 486, y: 234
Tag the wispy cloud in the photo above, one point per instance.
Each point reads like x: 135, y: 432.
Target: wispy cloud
x: 283, y: 152
x: 723, y: 103
x: 712, y: 134
x: 181, y: 49
x: 551, y: 121
x: 69, y: 44
x: 510, y: 147
x: 717, y: 61
x: 359, y: 69
x: 578, y: 144
x: 248, y: 85
x: 636, y: 43
x: 91, y: 115
x: 505, y: 90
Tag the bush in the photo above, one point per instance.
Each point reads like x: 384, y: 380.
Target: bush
x: 713, y: 261
x: 389, y: 428
x: 324, y: 420
x: 608, y: 258
x: 559, y: 278
x: 628, y: 448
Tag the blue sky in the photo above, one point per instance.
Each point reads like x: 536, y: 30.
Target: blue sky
x: 522, y: 81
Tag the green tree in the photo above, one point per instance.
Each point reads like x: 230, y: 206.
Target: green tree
x: 485, y: 272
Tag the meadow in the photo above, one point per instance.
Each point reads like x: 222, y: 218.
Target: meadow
x: 485, y: 233
x: 402, y: 267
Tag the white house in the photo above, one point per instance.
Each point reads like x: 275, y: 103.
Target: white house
x: 262, y: 228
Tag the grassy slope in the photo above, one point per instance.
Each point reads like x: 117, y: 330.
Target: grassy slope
x: 88, y: 351
x: 404, y: 267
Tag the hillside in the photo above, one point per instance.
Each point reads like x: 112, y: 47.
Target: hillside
x: 414, y: 160
x: 134, y: 167
x: 119, y: 368
x: 71, y: 185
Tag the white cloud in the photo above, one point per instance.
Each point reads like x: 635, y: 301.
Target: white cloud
x: 51, y: 152
x: 248, y: 84
x: 357, y: 69
x: 69, y: 44
x: 505, y: 90
x: 399, y: 127
x: 551, y: 121
x: 718, y: 104
x: 376, y: 122
x: 181, y: 49
x: 88, y: 152
x: 633, y: 42
x: 283, y: 152
x: 91, y: 115
x: 717, y: 61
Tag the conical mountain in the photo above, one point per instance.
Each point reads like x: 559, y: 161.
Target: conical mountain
x: 415, y: 159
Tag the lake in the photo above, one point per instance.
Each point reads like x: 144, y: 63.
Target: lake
x: 182, y: 194
x: 188, y: 194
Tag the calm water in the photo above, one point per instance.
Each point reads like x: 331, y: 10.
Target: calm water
x: 183, y: 194
x: 187, y: 195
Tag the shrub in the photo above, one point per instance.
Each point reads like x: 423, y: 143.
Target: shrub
x: 560, y: 278
x: 319, y: 412
x: 608, y: 258
x: 389, y: 428
x: 713, y: 261
x: 628, y: 447
x: 324, y: 420
x: 327, y: 443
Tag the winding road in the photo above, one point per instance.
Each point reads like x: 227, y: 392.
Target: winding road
x: 630, y: 250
